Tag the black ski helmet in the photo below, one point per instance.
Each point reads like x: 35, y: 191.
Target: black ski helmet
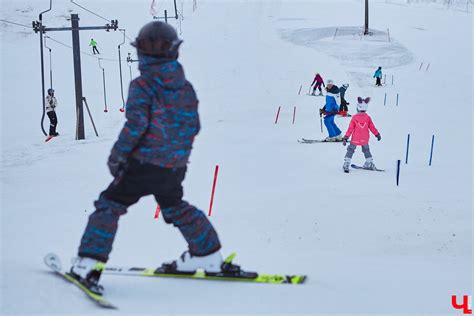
x: 50, y: 91
x: 158, y: 39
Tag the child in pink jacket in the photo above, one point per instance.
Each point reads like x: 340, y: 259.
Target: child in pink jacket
x: 358, y: 131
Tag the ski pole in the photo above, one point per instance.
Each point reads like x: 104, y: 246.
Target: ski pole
x: 278, y: 114
x: 321, y: 121
x: 157, y: 211
x: 299, y: 92
x: 294, y: 114
x: 408, y: 147
x: 398, y: 171
x: 432, y: 144
x: 213, y: 189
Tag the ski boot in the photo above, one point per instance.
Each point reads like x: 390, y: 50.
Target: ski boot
x: 339, y: 138
x: 369, y: 164
x: 87, y: 271
x: 228, y: 269
x: 346, y: 165
x: 211, y: 264
x: 189, y: 264
x: 330, y: 139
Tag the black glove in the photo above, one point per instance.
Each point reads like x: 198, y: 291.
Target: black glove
x: 378, y: 137
x: 115, y: 166
x: 344, y: 140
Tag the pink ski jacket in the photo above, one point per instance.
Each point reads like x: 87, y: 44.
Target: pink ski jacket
x: 359, y: 128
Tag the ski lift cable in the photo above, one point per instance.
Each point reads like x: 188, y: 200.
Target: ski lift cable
x: 43, y: 97
x: 15, y: 23
x: 50, y: 63
x: 82, y: 52
x: 122, y: 109
x: 90, y: 11
x: 103, y: 83
x: 96, y: 14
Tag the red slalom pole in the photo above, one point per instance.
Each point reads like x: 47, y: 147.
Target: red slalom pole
x: 213, y: 189
x: 157, y: 212
x: 278, y: 114
x: 294, y: 114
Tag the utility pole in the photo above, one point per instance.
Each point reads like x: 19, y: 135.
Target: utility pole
x: 76, y: 51
x: 366, y: 27
x: 166, y: 14
x: 76, y: 55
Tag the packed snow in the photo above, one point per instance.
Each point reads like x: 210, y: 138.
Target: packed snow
x: 366, y: 245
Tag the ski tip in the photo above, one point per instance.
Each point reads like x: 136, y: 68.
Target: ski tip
x: 52, y: 260
x: 298, y: 279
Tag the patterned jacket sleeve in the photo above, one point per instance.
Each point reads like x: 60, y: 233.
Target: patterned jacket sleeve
x: 351, y: 128
x: 372, y: 127
x: 138, y: 118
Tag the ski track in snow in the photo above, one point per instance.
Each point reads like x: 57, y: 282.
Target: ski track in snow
x: 352, y: 49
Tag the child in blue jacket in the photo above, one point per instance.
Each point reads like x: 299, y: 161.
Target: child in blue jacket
x: 330, y: 110
x: 378, y: 77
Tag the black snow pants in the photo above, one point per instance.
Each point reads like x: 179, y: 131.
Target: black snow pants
x: 53, y: 119
x: 138, y: 180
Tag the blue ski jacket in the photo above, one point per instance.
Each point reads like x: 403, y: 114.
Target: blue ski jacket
x: 162, y: 116
x: 331, y: 107
x: 378, y: 73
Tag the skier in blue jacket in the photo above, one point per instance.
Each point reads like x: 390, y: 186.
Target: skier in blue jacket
x: 149, y: 158
x: 330, y: 110
x: 378, y: 77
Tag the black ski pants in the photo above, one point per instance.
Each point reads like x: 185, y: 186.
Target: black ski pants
x: 53, y: 119
x: 138, y: 180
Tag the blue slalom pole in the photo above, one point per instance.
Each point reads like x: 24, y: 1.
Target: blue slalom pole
x: 398, y: 171
x: 431, y: 153
x: 408, y: 147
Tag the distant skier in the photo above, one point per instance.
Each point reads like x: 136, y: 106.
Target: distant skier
x: 330, y: 109
x: 343, y: 109
x: 358, y: 131
x: 93, y: 44
x: 150, y: 157
x: 378, y: 77
x: 51, y: 104
x: 317, y: 82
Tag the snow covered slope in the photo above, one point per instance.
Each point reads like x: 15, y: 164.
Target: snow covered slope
x: 366, y: 245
